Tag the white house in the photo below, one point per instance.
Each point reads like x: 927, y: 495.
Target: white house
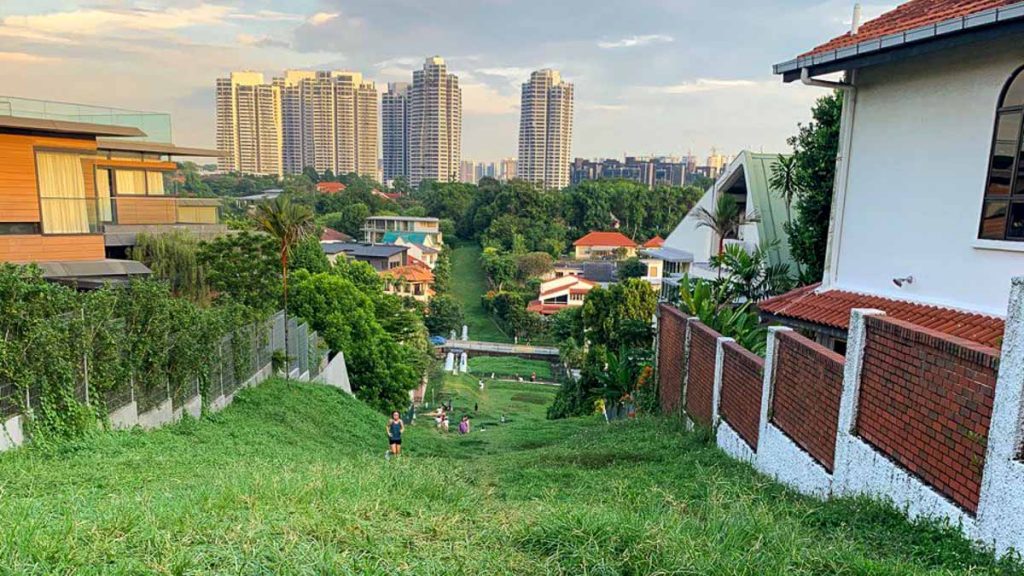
x: 745, y: 179
x: 928, y: 206
x: 561, y: 293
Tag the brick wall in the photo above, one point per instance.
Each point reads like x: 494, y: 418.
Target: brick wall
x: 671, y: 343
x: 700, y: 381
x: 740, y: 397
x: 925, y: 402
x: 808, y: 384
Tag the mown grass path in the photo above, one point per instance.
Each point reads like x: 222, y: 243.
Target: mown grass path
x: 468, y: 285
x: 291, y: 479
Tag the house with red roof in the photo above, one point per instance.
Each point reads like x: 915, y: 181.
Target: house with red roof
x: 604, y: 245
x: 330, y: 187
x: 559, y: 294
x: 414, y: 280
x: 928, y: 203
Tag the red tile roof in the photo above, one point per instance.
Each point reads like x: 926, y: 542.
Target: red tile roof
x: 656, y: 242
x: 330, y: 187
x: 411, y: 273
x: 908, y: 16
x: 617, y: 239
x: 832, y: 308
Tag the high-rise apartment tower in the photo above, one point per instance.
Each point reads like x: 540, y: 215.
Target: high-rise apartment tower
x: 435, y: 124
x: 545, y: 130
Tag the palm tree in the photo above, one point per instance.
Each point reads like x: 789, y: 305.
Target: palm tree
x: 784, y: 180
x: 288, y: 223
x: 725, y: 220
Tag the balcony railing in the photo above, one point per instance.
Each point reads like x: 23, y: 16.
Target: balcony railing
x: 89, y: 215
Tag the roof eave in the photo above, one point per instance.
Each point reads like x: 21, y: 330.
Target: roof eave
x: 985, y: 25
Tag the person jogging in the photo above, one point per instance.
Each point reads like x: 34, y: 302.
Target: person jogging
x: 395, y: 428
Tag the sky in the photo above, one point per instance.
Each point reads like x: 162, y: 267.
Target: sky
x: 652, y: 77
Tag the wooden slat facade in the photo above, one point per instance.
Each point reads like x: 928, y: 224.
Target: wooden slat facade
x: 19, y: 195
x: 38, y: 248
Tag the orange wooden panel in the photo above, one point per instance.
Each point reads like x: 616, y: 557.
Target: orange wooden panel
x: 145, y: 210
x: 39, y: 248
x: 19, y: 198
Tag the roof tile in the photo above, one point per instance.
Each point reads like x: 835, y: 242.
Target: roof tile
x: 908, y: 16
x: 605, y: 239
x: 832, y: 308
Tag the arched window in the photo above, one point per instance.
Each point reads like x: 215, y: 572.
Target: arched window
x: 1002, y: 215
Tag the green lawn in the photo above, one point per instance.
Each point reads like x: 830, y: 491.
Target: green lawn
x: 510, y: 366
x: 291, y: 479
x: 468, y: 285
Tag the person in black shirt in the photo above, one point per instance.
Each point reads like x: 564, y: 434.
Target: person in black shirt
x: 395, y: 428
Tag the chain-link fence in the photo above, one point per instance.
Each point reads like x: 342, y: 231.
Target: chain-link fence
x: 239, y: 359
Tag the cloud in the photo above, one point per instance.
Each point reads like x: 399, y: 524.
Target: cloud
x: 261, y: 41
x: 511, y: 73
x: 703, y: 85
x: 604, y: 107
x: 62, y: 27
x: 634, y: 41
x: 321, y: 18
x: 25, y: 58
x: 481, y: 99
x: 268, y: 16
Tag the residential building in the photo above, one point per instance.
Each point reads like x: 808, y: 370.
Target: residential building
x: 435, y: 124
x: 507, y: 169
x: 380, y: 256
x: 425, y: 231
x: 560, y: 293
x: 332, y: 235
x: 717, y: 161
x: 928, y: 209
x: 419, y: 252
x: 296, y: 134
x: 395, y: 128
x: 468, y: 172
x: 649, y: 171
x: 327, y: 120
x: 414, y: 281
x: 249, y: 125
x: 75, y: 194
x: 545, y: 130
x: 604, y: 246
x: 690, y: 247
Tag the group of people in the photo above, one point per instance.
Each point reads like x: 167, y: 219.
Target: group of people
x: 441, y: 418
x: 396, y: 427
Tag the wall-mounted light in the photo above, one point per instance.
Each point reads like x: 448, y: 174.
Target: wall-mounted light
x: 900, y: 282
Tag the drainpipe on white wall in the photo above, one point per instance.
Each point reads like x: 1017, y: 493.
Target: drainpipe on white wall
x: 835, y: 224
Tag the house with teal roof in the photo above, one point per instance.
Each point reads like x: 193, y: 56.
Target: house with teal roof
x: 746, y: 179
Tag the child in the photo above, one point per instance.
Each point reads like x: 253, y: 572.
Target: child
x: 464, y: 425
x: 394, y: 429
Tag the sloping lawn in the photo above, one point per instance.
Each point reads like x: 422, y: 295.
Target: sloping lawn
x: 510, y: 366
x: 468, y: 285
x: 291, y: 479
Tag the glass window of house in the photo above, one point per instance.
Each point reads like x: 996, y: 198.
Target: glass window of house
x: 130, y: 182
x: 1002, y: 212
x: 64, y: 207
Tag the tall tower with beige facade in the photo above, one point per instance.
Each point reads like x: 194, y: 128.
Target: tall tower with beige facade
x: 545, y: 130
x: 249, y: 126
x: 325, y: 120
x: 435, y: 124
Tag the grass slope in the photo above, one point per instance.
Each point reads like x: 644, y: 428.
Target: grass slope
x: 509, y: 366
x: 468, y: 285
x: 291, y: 480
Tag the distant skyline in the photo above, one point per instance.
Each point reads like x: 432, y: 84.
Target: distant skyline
x: 652, y: 76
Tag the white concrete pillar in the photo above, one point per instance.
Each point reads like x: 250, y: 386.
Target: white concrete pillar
x: 1001, y: 507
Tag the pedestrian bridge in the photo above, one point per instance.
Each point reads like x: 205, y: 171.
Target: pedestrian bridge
x: 475, y: 348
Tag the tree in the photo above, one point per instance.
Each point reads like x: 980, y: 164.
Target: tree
x: 726, y: 219
x: 243, y: 268
x: 783, y: 180
x: 309, y: 256
x: 534, y: 265
x: 632, y: 268
x: 620, y: 315
x: 444, y: 315
x: 751, y: 275
x: 174, y: 257
x: 287, y: 223
x: 815, y: 148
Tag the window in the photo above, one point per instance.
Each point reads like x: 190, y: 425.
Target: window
x: 19, y: 228
x: 1002, y: 213
x: 62, y: 200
